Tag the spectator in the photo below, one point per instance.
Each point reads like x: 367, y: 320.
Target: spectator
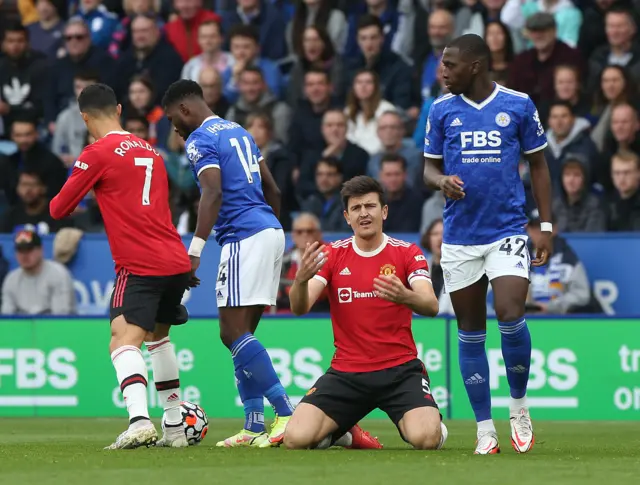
x: 278, y: 160
x: 254, y: 95
x: 141, y: 102
x: 440, y: 31
x: 32, y: 156
x: 137, y: 125
x: 625, y: 135
x: 567, y: 17
x: 306, y: 230
x: 532, y: 71
x: 365, y: 105
x: 562, y: 286
x: 121, y: 38
x: 566, y: 86
x: 575, y: 209
x: 319, y: 15
x: 181, y: 179
x: 211, y: 83
x: 182, y: 32
x: 316, y: 53
x: 352, y: 158
x: 22, y: 76
x: 436, y: 91
x: 101, y: 22
x: 326, y: 204
x: 567, y: 134
x: 405, y: 203
x: 431, y: 240
x: 616, y: 87
x: 624, y: 201
x: 32, y: 209
x: 4, y: 270
x: 397, y: 38
x: 391, y: 133
x: 432, y: 210
x: 305, y: 131
x: 500, y: 44
x: 265, y: 17
x: 210, y: 40
x: 45, y: 35
x: 475, y: 19
x: 69, y: 137
x: 149, y: 55
x: 621, y: 48
x: 393, y: 72
x: 79, y: 55
x: 245, y: 50
x: 38, y: 286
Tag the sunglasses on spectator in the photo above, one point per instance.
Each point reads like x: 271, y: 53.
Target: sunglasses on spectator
x: 71, y: 37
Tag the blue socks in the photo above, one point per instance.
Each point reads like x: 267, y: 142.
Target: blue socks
x: 257, y: 377
x: 252, y: 401
x: 516, y: 351
x: 474, y: 367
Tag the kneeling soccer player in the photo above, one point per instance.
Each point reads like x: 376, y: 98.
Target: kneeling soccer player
x: 375, y: 284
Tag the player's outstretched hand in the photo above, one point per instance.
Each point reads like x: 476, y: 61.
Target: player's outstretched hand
x: 314, y: 258
x: 451, y: 185
x: 544, y: 248
x: 390, y: 288
x: 195, y: 264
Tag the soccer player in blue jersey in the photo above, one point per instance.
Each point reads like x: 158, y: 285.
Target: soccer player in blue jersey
x: 474, y: 140
x: 241, y: 202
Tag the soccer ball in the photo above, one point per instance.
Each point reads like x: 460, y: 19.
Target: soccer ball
x: 194, y: 420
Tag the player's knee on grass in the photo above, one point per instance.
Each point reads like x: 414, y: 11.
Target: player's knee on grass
x: 421, y: 428
x: 308, y: 426
x: 124, y: 333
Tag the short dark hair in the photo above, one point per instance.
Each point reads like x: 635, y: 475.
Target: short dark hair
x: 87, y: 75
x: 14, y: 27
x: 368, y: 20
x: 472, y: 45
x: 359, y: 186
x: 318, y: 70
x: 25, y: 116
x: 32, y: 173
x: 97, y: 98
x: 333, y: 162
x: 393, y: 158
x: 562, y: 102
x: 180, y: 90
x: 253, y: 69
x: 242, y: 30
x: 135, y: 117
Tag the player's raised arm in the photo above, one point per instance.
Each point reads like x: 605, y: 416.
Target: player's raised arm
x: 269, y: 187
x: 306, y: 289
x: 86, y: 173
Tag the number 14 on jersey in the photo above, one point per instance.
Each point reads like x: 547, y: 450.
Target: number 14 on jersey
x: 248, y: 159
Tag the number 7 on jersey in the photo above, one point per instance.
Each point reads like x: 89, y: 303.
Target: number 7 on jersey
x: 146, y: 188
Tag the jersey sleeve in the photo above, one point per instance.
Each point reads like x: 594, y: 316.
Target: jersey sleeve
x: 433, y: 134
x: 417, y: 267
x: 86, y: 172
x: 532, y: 135
x: 325, y: 273
x: 202, y: 153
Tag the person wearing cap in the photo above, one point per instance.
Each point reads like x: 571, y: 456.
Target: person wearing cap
x: 568, y: 18
x: 532, y: 71
x: 38, y: 286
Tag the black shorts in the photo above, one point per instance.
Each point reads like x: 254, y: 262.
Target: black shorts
x: 147, y: 300
x: 347, y: 397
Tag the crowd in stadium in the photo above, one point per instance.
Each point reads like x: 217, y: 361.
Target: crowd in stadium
x: 329, y: 89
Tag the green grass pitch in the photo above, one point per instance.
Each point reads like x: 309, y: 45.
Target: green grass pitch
x: 69, y: 452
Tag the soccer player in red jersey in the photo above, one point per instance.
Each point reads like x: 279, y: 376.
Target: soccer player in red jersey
x: 375, y: 284
x: 153, y: 270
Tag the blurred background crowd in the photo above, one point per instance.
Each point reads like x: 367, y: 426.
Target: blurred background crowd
x: 329, y: 89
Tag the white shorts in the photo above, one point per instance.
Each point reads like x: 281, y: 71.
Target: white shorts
x: 464, y: 265
x: 249, y: 270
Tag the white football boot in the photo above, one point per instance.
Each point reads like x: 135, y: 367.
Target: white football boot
x: 137, y: 435
x: 173, y: 437
x: 487, y: 443
x: 522, y: 438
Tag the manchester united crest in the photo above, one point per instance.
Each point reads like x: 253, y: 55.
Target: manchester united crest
x: 388, y: 269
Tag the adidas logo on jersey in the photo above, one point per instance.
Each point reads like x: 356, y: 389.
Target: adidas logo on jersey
x: 345, y: 272
x: 456, y: 122
x: 475, y: 379
x: 519, y: 265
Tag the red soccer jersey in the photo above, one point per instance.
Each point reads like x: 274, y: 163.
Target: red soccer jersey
x: 370, y: 333
x: 132, y: 190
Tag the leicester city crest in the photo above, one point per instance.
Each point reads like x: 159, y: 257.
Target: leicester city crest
x: 503, y: 119
x: 192, y: 152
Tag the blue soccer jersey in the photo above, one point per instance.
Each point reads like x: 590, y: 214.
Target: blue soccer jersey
x: 482, y: 143
x: 223, y: 145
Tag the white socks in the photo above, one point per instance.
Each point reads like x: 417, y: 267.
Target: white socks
x: 485, y: 427
x: 344, y: 440
x: 516, y: 405
x: 132, y: 376
x: 166, y: 377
